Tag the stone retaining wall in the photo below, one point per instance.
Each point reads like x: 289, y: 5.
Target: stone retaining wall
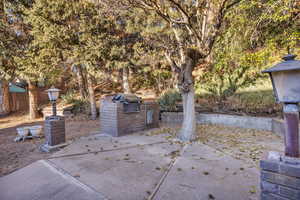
x: 259, y: 123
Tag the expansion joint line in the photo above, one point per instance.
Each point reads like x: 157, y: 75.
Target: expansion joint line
x: 64, y: 174
x: 164, y: 176
x: 106, y: 150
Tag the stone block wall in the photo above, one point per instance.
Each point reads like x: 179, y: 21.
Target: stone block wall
x: 259, y: 123
x: 280, y: 178
x: 55, y: 130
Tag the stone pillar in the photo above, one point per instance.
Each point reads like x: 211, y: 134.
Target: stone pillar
x: 54, y: 133
x: 280, y: 177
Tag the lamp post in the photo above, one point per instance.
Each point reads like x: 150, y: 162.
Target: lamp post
x: 285, y: 77
x: 54, y: 129
x: 53, y: 94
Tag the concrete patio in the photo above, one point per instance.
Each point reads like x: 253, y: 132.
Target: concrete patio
x: 134, y: 167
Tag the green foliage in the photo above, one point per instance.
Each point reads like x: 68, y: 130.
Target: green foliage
x: 79, y: 105
x: 255, y: 101
x: 105, y: 37
x: 168, y: 100
x: 69, y: 98
x: 231, y: 72
x: 256, y: 35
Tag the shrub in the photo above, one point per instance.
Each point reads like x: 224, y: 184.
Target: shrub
x: 168, y: 100
x: 232, y: 72
x: 79, y: 105
x: 68, y: 98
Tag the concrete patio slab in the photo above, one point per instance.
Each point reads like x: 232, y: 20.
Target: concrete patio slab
x: 134, y: 167
x: 129, y: 174
x: 42, y: 181
x: 103, y: 143
x: 204, y: 173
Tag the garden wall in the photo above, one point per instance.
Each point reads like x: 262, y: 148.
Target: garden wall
x: 259, y: 123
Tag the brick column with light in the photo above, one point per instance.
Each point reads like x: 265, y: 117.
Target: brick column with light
x: 55, y: 130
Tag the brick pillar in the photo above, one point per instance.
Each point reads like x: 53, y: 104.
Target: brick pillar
x: 55, y: 130
x: 280, y: 178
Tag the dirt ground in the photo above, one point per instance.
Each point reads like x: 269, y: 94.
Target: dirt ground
x: 15, y: 155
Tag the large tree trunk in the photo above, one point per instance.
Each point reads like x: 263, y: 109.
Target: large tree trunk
x: 81, y: 82
x: 5, y: 97
x: 33, y: 100
x: 188, y: 128
x: 91, y: 96
x: 126, y: 86
x: 186, y: 86
x: 188, y: 59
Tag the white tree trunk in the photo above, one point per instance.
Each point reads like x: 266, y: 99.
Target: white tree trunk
x: 186, y: 86
x: 188, y: 128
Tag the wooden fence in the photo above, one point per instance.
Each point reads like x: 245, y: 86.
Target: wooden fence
x: 20, y: 101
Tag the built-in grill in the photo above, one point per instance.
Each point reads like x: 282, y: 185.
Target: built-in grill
x: 122, y: 114
x: 131, y: 103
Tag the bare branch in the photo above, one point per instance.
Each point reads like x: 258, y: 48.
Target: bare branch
x: 173, y: 64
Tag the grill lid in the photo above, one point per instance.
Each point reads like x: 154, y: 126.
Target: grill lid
x: 126, y: 98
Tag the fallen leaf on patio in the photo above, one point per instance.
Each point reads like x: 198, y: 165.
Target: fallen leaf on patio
x: 206, y: 173
x: 252, y: 190
x: 210, y: 196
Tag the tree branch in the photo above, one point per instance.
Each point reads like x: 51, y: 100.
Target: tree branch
x: 173, y: 64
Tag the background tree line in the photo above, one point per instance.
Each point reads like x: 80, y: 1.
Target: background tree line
x: 84, y: 45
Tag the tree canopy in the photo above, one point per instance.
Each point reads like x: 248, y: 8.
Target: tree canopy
x: 218, y: 45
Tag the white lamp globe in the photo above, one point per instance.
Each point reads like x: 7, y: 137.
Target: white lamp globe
x: 53, y: 93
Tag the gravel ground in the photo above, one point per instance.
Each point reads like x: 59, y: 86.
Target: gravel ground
x: 15, y: 155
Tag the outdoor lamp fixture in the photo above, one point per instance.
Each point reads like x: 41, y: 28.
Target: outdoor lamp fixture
x: 285, y: 77
x: 53, y: 94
